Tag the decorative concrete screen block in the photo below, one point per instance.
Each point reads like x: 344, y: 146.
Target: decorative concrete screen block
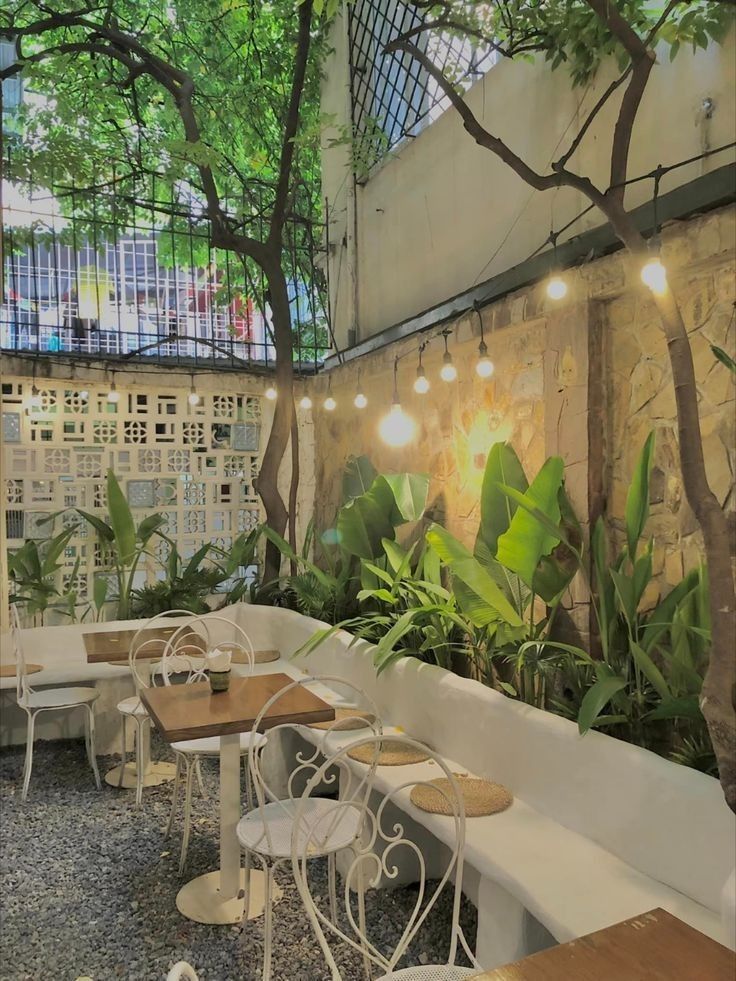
x: 195, y: 465
x: 11, y: 427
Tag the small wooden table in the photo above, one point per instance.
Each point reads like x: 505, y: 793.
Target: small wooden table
x: 194, y: 712
x: 655, y: 946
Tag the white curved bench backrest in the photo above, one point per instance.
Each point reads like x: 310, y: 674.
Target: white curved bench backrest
x: 666, y: 820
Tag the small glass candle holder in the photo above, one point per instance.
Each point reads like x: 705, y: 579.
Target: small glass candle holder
x: 219, y: 681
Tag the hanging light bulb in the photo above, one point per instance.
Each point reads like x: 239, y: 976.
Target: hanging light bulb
x: 654, y: 275
x: 448, y: 371
x: 360, y: 401
x: 484, y: 367
x: 193, y: 398
x: 35, y: 397
x: 329, y: 404
x: 270, y: 393
x: 113, y: 395
x: 556, y: 288
x: 396, y: 428
x: 305, y: 402
x: 421, y: 382
x: 556, y: 285
x: 84, y: 395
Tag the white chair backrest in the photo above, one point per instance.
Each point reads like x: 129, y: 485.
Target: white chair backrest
x: 307, y: 755
x: 185, y: 649
x: 147, y: 649
x: 379, y: 852
x: 22, y: 686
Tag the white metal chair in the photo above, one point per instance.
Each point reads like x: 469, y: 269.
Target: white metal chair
x: 211, y: 631
x: 379, y: 851
x: 265, y: 832
x: 143, y: 647
x: 49, y: 700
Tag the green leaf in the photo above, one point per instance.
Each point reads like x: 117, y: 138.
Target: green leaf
x: 596, y: 699
x: 101, y: 527
x: 366, y: 521
x: 637, y: 499
x: 660, y: 619
x: 496, y: 508
x: 99, y: 592
x: 724, y: 358
x: 121, y: 520
x: 677, y: 708
x: 410, y: 492
x: 357, y: 477
x: 528, y: 539
x: 464, y: 566
x: 148, y: 526
x: 650, y: 670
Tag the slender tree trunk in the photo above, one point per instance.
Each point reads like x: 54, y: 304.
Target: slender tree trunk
x: 718, y: 695
x: 278, y: 440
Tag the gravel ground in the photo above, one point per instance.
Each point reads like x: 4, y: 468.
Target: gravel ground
x: 88, y: 887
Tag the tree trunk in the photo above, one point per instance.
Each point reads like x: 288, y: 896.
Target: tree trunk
x: 718, y: 695
x: 278, y: 440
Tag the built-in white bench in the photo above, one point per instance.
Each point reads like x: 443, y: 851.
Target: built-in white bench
x: 599, y: 831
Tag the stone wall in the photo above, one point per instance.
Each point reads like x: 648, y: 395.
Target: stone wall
x: 586, y: 377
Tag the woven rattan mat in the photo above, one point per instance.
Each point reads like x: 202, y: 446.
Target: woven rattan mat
x: 481, y: 797
x: 394, y: 754
x: 346, y: 719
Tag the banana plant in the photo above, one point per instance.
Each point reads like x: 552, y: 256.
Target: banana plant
x: 512, y: 582
x: 126, y: 543
x: 34, y: 573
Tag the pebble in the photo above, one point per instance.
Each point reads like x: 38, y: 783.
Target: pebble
x: 85, y: 894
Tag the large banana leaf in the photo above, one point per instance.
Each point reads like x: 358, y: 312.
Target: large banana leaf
x: 121, y: 520
x: 596, y: 699
x: 496, y: 508
x: 555, y: 571
x: 527, y: 540
x: 410, y: 492
x: 637, y: 500
x: 464, y: 566
x: 357, y: 477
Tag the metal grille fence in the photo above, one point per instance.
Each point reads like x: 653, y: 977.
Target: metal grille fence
x: 121, y: 272
x: 393, y: 97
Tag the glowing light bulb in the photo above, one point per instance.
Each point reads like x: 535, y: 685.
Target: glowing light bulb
x: 360, y: 401
x: 84, y: 394
x: 329, y: 404
x: 193, y: 398
x: 305, y: 402
x: 421, y: 385
x: 270, y: 393
x: 484, y: 368
x: 556, y: 288
x: 654, y: 275
x: 448, y: 371
x: 113, y: 395
x: 396, y: 428
x: 35, y: 398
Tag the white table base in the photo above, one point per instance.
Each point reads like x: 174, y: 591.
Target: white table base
x: 216, y: 897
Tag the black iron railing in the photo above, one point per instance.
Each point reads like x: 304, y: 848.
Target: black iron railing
x: 121, y: 271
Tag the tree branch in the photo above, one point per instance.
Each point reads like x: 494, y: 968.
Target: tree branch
x: 292, y: 121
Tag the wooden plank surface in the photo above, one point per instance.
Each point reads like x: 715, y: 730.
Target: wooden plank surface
x: 655, y: 946
x: 114, y: 645
x: 10, y: 671
x: 193, y: 711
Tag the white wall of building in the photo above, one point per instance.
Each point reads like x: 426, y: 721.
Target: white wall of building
x: 441, y: 214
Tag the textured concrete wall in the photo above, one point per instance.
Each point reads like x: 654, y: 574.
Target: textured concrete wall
x: 586, y: 378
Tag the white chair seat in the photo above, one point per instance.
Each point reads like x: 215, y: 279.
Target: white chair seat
x: 132, y: 706
x: 430, y: 972
x: 341, y: 830
x: 210, y: 745
x: 59, y: 698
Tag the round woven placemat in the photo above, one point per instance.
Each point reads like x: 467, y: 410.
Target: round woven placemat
x: 346, y: 719
x: 481, y: 797
x: 394, y: 754
x: 8, y: 670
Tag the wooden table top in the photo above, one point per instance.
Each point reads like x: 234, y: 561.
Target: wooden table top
x: 114, y: 645
x: 193, y: 711
x: 655, y: 946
